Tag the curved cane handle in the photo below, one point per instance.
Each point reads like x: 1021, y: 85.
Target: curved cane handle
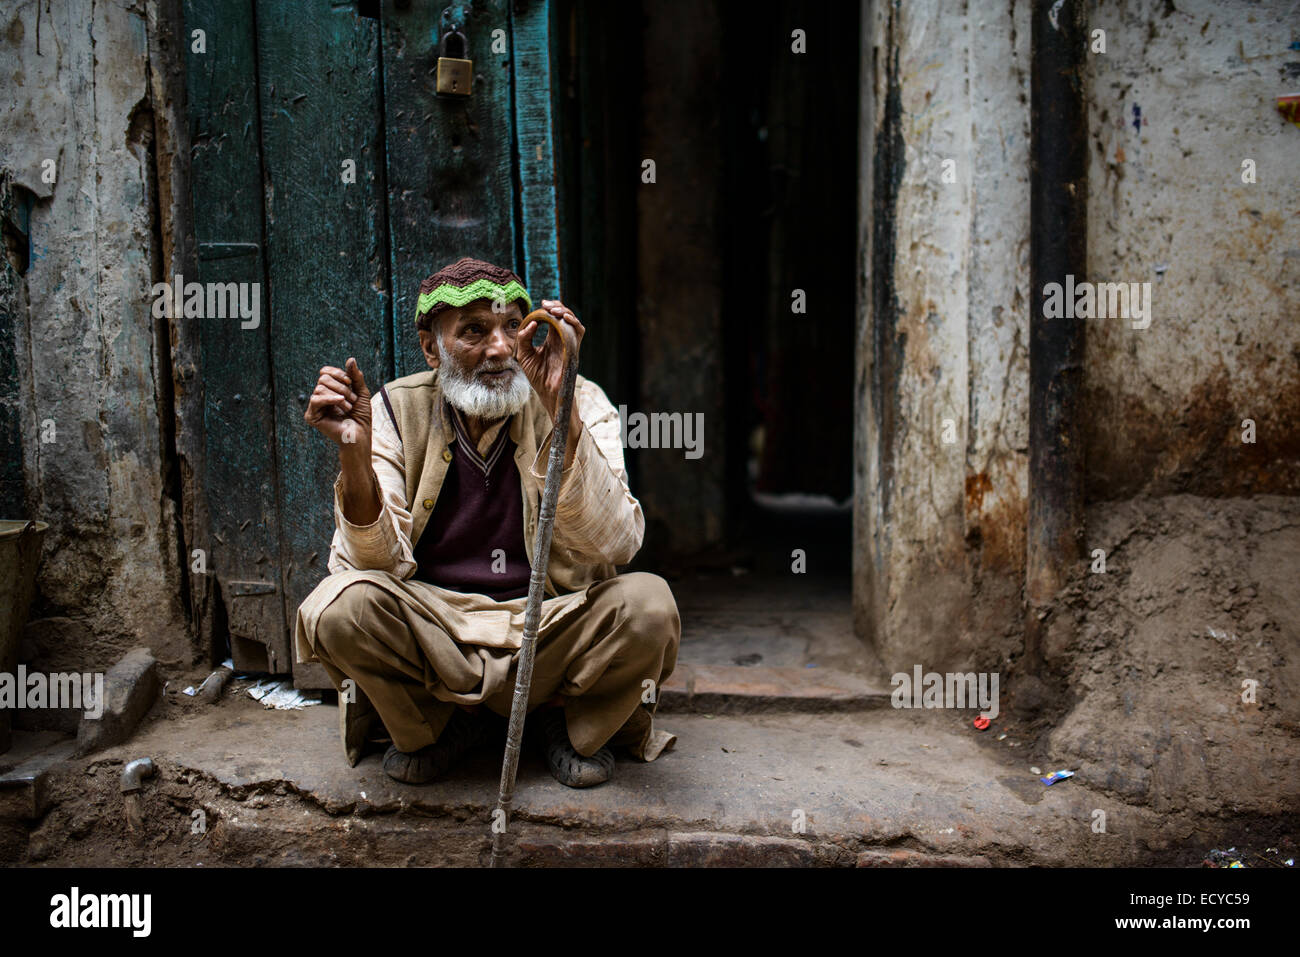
x: 568, y: 338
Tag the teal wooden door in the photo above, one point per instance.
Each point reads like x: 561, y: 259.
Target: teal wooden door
x: 327, y: 171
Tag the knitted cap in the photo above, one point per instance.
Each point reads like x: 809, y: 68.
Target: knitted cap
x: 464, y: 281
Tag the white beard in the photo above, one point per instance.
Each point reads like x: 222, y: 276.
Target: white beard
x: 483, y: 400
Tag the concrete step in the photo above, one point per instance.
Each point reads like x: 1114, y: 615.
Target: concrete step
x: 25, y: 769
x: 715, y: 849
x: 741, y: 689
x: 886, y: 788
x: 767, y: 643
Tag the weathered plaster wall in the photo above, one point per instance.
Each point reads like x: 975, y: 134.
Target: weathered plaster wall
x: 943, y: 364
x: 1183, y: 95
x: 94, y: 376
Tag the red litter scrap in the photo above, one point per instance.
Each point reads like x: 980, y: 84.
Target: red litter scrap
x: 1289, y: 106
x: 981, y: 722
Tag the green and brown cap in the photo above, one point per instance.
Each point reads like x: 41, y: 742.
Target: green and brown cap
x: 464, y: 281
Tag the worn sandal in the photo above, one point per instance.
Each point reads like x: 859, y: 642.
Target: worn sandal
x: 462, y: 733
x: 568, y: 766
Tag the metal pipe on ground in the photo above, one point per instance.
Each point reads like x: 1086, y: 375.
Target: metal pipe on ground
x: 133, y: 775
x: 1058, y: 247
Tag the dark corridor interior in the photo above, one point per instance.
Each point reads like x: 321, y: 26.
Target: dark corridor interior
x: 788, y: 231
x: 780, y: 147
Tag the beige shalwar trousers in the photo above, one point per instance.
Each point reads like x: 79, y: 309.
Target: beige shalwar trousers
x: 608, y: 660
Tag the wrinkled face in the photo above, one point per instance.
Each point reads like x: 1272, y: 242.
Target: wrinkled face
x: 473, y: 349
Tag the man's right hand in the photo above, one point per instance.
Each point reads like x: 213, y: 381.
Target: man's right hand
x: 340, y: 409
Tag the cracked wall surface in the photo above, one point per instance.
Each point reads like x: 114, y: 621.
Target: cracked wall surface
x: 93, y: 371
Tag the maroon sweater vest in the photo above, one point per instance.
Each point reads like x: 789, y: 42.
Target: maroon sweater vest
x: 480, y: 509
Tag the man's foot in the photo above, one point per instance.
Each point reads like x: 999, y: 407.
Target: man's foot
x: 356, y: 718
x: 462, y: 733
x: 567, y: 765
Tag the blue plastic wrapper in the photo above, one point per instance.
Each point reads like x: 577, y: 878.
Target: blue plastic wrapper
x: 1056, y: 776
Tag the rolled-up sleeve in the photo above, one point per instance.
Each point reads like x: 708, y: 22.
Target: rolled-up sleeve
x: 597, y: 519
x: 384, y: 544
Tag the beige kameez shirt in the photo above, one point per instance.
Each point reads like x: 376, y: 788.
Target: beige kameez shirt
x: 598, y: 524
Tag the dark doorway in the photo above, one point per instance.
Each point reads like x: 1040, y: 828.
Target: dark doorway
x: 687, y: 284
x: 789, y: 234
x: 767, y: 138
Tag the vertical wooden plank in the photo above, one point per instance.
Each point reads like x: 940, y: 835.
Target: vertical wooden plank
x: 811, y: 151
x: 747, y: 200
x: 14, y: 211
x: 226, y: 186
x: 169, y: 44
x: 680, y: 314
x: 532, y: 47
x: 321, y: 107
x: 566, y: 64
x: 598, y: 189
x: 450, y: 166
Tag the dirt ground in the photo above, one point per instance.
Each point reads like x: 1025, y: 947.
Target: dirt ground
x: 1199, y: 599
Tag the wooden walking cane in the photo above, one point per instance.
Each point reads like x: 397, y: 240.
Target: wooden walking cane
x: 537, y: 581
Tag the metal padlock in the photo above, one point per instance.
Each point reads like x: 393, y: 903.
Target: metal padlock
x: 455, y: 73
